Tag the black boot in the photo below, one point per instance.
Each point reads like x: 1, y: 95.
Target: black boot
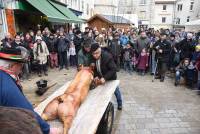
x: 162, y: 79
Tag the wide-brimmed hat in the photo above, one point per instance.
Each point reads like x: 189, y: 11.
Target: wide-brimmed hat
x: 14, y: 54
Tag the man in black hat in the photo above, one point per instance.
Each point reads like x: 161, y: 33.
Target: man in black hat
x: 11, y: 95
x: 105, y: 69
x: 163, y: 48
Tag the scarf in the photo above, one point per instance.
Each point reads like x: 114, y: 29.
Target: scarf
x: 13, y: 75
x: 41, y: 50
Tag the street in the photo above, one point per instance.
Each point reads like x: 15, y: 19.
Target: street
x: 148, y: 107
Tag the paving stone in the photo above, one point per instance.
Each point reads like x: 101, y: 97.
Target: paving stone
x: 161, y: 120
x: 180, y: 130
x: 143, y: 131
x: 168, y: 125
x: 152, y: 125
x: 184, y: 124
x: 166, y: 131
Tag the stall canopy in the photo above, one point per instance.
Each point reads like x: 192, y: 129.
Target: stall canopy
x: 68, y: 13
x: 51, y: 12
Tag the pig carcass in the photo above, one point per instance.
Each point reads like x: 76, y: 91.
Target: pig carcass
x: 65, y: 106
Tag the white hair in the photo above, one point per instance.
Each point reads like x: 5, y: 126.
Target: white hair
x: 189, y: 34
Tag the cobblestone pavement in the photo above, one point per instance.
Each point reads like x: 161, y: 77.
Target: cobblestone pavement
x: 148, y: 107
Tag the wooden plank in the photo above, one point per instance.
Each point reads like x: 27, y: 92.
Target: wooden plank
x: 90, y: 111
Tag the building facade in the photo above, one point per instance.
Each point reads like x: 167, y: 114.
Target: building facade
x: 186, y: 11
x: 142, y: 8
x: 164, y: 14
x: 107, y: 7
x: 3, y: 21
x: 85, y: 6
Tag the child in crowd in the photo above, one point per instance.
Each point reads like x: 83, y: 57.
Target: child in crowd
x: 72, y: 53
x: 190, y: 75
x: 128, y: 51
x: 134, y: 60
x: 142, y: 62
x: 181, y: 71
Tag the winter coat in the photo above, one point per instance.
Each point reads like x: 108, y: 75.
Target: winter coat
x: 127, y: 54
x: 77, y: 42
x: 84, y: 58
x: 114, y: 48
x: 40, y: 55
x: 52, y: 46
x: 165, y: 46
x: 124, y: 40
x: 185, y: 47
x: 62, y: 44
x: 142, y: 62
x: 108, y: 67
x: 142, y: 43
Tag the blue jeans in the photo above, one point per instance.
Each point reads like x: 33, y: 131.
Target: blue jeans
x: 178, y: 76
x: 128, y: 66
x: 118, y: 96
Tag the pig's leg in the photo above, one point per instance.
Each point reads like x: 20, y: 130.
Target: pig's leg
x: 66, y: 113
x: 51, y: 111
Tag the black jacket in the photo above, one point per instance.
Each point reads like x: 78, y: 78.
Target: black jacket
x: 114, y: 48
x: 186, y: 49
x: 108, y: 67
x: 165, y: 46
x: 52, y: 46
x: 62, y: 44
x: 77, y: 42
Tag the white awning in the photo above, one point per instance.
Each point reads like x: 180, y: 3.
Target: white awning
x: 193, y: 23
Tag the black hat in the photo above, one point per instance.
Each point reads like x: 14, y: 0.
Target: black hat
x: 172, y: 35
x: 163, y: 33
x: 12, y: 54
x: 94, y: 47
x: 78, y: 32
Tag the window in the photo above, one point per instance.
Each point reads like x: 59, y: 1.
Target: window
x: 164, y: 7
x: 163, y: 19
x: 142, y: 15
x: 188, y: 18
x: 79, y: 5
x: 191, y: 6
x: 180, y: 6
x: 87, y: 9
x: 142, y: 2
x: 178, y: 20
x: 83, y: 6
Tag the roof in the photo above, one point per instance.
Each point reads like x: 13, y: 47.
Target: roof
x: 111, y: 19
